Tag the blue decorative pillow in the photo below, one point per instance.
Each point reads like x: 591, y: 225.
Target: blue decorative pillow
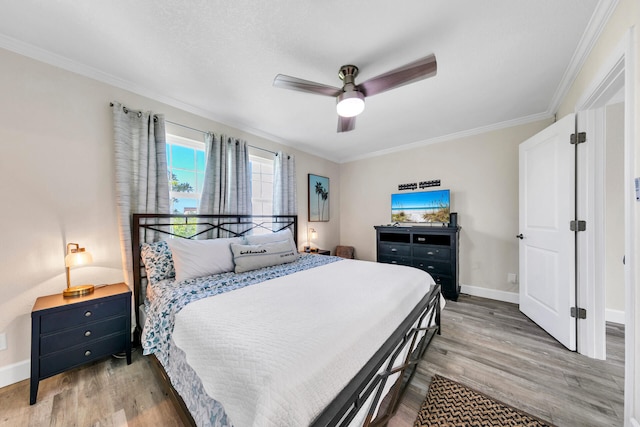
x: 157, y: 261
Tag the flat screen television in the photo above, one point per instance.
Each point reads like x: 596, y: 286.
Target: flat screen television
x: 420, y: 207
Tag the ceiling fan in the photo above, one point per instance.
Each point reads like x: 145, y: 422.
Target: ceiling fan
x: 350, y: 98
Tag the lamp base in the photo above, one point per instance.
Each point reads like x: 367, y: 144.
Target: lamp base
x: 76, y: 291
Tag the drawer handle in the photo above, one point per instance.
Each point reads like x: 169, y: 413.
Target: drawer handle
x: 87, y: 353
x: 421, y: 239
x: 430, y: 253
x: 394, y: 262
x: 87, y: 314
x: 430, y: 267
x: 394, y: 250
x: 87, y: 333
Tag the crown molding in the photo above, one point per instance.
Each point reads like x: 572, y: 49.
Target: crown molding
x: 53, y: 59
x: 603, y: 11
x: 456, y: 135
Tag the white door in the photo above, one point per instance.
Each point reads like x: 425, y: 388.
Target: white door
x: 547, y: 245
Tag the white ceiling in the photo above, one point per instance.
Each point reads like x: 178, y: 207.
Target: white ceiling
x: 498, y: 60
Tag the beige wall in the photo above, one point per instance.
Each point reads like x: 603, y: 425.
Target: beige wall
x: 482, y: 173
x: 57, y: 185
x: 614, y: 207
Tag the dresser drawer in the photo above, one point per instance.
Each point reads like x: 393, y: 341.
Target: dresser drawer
x: 432, y: 252
x: 400, y: 260
x: 394, y: 249
x: 81, y: 315
x: 435, y: 267
x: 66, y: 359
x: 82, y: 334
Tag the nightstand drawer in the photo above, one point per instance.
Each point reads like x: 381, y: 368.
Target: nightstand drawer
x: 81, y: 315
x: 82, y: 334
x: 394, y: 249
x: 434, y: 267
x: 66, y: 359
x: 431, y: 252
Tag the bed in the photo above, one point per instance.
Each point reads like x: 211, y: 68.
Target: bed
x: 302, y: 340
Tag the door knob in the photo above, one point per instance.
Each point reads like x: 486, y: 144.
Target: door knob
x: 520, y: 236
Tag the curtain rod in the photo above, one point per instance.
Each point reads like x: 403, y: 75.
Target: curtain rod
x: 204, y: 132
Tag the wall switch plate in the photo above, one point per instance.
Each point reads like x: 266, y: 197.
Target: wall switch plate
x: 512, y: 278
x: 3, y: 341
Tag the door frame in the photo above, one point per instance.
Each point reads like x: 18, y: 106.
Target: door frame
x: 619, y: 69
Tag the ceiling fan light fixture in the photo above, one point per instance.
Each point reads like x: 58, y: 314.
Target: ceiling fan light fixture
x: 350, y: 104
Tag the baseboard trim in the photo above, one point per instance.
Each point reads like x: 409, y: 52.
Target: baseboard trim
x: 614, y: 316
x: 14, y: 373
x: 495, y: 294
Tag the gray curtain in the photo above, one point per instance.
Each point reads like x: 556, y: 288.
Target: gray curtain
x: 227, y: 177
x: 142, y: 183
x: 284, y: 185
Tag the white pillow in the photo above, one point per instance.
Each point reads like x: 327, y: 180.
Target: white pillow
x: 252, y: 257
x: 198, y: 258
x: 272, y: 238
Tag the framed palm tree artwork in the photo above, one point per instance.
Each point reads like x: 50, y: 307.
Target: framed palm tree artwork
x: 318, y: 198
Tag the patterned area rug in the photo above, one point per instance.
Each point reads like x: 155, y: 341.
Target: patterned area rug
x: 449, y: 403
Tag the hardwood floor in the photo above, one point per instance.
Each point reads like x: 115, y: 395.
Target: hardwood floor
x: 493, y: 348
x: 487, y: 345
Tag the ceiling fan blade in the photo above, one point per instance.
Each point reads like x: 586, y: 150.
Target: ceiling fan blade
x: 410, y: 73
x: 294, y: 83
x: 346, y: 124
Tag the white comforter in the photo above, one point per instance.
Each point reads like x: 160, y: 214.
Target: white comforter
x: 277, y: 353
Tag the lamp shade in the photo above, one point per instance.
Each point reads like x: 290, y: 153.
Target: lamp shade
x: 350, y: 104
x: 77, y: 257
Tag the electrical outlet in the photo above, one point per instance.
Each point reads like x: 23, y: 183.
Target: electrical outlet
x: 512, y: 278
x: 3, y: 341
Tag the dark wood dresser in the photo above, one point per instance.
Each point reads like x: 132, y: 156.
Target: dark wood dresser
x: 69, y: 332
x: 433, y: 249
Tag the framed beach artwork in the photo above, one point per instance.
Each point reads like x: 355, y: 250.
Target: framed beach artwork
x: 318, y: 198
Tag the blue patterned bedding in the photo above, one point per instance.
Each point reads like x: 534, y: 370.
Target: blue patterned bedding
x: 171, y: 296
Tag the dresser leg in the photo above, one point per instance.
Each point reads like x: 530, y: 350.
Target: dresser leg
x: 34, y: 391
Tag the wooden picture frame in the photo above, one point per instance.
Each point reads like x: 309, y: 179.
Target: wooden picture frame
x: 318, y: 198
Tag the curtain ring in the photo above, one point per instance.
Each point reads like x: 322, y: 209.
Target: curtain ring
x: 139, y: 114
x: 125, y: 109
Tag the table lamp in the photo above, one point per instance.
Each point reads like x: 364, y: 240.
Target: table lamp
x: 76, y: 256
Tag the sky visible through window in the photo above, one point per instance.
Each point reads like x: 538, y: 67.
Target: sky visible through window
x: 186, y: 164
x: 186, y: 176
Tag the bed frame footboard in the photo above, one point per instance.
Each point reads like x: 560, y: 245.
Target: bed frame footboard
x: 412, y: 338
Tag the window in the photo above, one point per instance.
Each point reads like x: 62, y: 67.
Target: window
x: 261, y: 185
x: 186, y: 163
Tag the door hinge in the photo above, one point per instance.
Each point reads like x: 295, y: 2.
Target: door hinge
x: 582, y: 137
x: 580, y: 313
x: 578, y: 225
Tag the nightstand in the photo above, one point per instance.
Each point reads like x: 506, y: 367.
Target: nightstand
x: 69, y: 332
x: 321, y: 252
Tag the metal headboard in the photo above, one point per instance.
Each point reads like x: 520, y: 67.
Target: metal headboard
x: 147, y: 228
